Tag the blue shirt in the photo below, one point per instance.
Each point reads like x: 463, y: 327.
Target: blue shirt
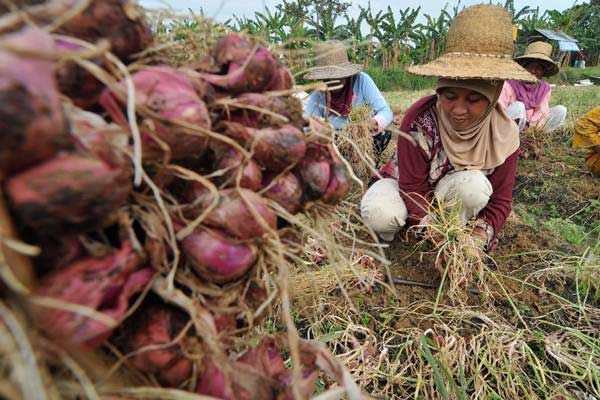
x: 364, y: 92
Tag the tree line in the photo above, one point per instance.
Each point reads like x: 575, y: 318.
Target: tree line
x: 395, y: 37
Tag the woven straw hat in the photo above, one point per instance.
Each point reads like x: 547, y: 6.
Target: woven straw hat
x: 332, y: 62
x: 540, y: 51
x: 479, y: 47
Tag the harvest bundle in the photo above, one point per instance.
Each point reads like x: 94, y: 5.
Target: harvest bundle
x: 160, y: 221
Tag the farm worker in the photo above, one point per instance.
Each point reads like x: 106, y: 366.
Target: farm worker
x: 529, y: 103
x: 353, y: 88
x: 586, y: 134
x: 458, y: 144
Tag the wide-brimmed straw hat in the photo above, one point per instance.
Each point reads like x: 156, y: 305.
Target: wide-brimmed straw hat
x: 542, y: 52
x: 479, y: 46
x: 331, y: 62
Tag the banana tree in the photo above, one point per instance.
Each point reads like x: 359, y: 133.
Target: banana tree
x: 516, y: 16
x: 399, y: 31
x: 273, y: 25
x: 352, y: 31
x: 374, y: 23
x: 247, y: 25
x: 534, y: 20
x: 436, y: 30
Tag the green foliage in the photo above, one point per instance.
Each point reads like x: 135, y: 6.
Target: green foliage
x: 573, y: 75
x: 391, y: 38
x: 397, y: 79
x: 568, y: 230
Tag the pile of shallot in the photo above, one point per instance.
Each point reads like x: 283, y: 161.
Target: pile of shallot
x: 131, y: 178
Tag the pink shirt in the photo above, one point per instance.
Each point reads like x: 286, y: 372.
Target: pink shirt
x: 535, y: 116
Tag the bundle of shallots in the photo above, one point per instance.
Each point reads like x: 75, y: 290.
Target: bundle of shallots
x: 168, y: 277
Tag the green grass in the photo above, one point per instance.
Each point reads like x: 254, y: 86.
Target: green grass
x: 572, y: 75
x: 402, y: 99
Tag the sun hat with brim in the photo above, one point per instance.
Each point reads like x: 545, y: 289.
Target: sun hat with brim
x: 479, y: 46
x: 331, y: 62
x: 542, y: 52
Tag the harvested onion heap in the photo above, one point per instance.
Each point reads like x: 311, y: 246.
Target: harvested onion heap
x: 224, y: 163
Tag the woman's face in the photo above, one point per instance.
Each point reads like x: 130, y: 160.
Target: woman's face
x: 535, y: 68
x: 463, y: 107
x: 338, y: 83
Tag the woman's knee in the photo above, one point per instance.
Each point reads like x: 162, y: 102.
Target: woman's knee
x: 471, y: 188
x: 382, y: 209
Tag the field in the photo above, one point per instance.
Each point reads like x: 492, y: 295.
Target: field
x: 185, y: 276
x: 531, y: 332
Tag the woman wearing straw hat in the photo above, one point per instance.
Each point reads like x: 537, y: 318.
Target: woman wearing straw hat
x: 529, y: 103
x: 351, y: 88
x: 460, y: 143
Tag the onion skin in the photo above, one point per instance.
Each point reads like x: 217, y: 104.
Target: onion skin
x: 216, y: 258
x: 170, y: 94
x: 159, y: 325
x: 233, y: 216
x: 245, y: 67
x: 315, y: 170
x: 32, y: 121
x: 231, y: 159
x: 287, y: 191
x: 104, y: 285
x: 70, y: 193
x: 274, y: 148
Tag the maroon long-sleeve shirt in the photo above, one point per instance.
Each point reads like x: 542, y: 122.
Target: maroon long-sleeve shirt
x: 422, y: 162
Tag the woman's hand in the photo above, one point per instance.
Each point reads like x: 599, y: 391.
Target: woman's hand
x: 480, y: 235
x: 373, y: 126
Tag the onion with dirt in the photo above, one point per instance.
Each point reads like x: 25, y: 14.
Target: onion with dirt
x: 103, y: 285
x: 69, y: 193
x: 242, y: 66
x: 339, y: 183
x: 241, y: 213
x: 92, y: 134
x: 274, y: 148
x: 32, y: 121
x: 121, y: 22
x: 315, y: 170
x: 151, y: 342
x: 171, y: 96
x: 231, y: 160
x: 74, y: 81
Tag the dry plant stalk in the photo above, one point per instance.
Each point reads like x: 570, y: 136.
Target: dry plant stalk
x: 356, y: 144
x: 459, y: 253
x: 309, y: 285
x: 533, y: 142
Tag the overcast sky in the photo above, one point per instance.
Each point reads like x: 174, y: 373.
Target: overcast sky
x: 222, y: 10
